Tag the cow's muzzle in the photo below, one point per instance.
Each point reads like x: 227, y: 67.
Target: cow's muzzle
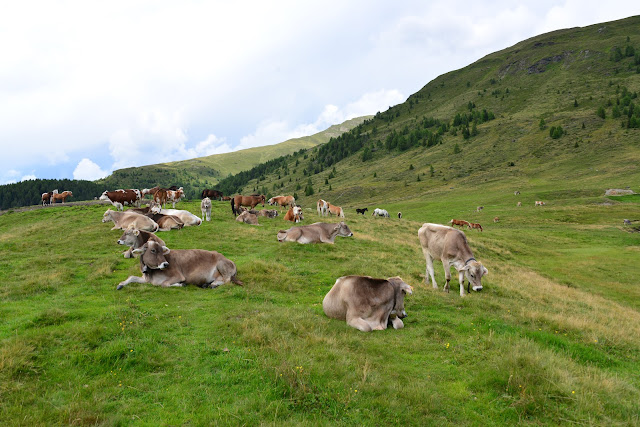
x: 121, y: 242
x: 477, y: 288
x: 166, y: 265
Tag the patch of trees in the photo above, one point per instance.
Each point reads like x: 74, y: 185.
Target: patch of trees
x: 232, y: 184
x: 27, y: 193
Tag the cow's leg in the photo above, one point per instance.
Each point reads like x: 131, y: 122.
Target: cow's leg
x: 359, y: 323
x: 447, y: 274
x: 461, y: 280
x: 131, y: 279
x: 128, y: 253
x: 429, y: 271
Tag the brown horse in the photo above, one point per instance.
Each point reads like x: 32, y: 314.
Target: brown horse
x: 460, y: 223
x: 212, y: 194
x: 62, y: 196
x: 282, y: 201
x: 251, y: 201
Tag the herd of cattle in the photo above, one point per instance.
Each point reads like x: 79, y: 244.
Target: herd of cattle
x: 364, y: 302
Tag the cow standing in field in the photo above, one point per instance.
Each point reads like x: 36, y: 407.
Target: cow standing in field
x: 366, y: 303
x: 320, y: 232
x: 174, y: 196
x: 161, y: 266
x: 123, y: 220
x: 323, y: 207
x: 205, y: 207
x: 479, y: 208
x: 135, y: 239
x: 120, y: 198
x: 451, y: 247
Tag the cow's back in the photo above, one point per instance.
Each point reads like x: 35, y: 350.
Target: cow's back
x: 436, y: 238
x: 358, y: 295
x: 198, y: 265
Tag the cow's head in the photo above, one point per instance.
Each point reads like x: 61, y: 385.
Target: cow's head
x: 152, y: 256
x: 474, y: 271
x: 104, y: 196
x: 400, y: 290
x: 343, y: 230
x: 297, y: 214
x: 155, y: 207
x: 129, y: 236
x: 106, y: 217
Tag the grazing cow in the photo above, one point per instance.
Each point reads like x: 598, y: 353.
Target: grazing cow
x: 460, y: 223
x: 323, y: 207
x: 248, y: 218
x: 320, y: 232
x: 399, y: 215
x: 366, y: 303
x: 186, y: 217
x: 361, y: 211
x: 475, y: 226
x: 161, y: 266
x: 519, y: 204
x: 239, y: 200
x: 282, y: 201
x: 479, y: 208
x: 496, y: 219
x: 294, y: 214
x: 174, y: 196
x: 335, y: 210
x: 135, y: 239
x: 62, y: 196
x: 539, y: 203
x: 451, y: 247
x: 123, y: 220
x: 205, y: 207
x: 380, y: 212
x: 269, y: 213
x: 515, y: 193
x: 160, y: 197
x: 120, y: 198
x: 213, y: 194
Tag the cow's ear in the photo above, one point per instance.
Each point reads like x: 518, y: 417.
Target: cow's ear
x: 136, y: 232
x: 408, y: 290
x: 465, y: 268
x: 165, y: 250
x: 140, y: 250
x: 484, y: 271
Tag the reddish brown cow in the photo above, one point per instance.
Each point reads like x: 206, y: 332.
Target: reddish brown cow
x: 120, y: 198
x: 160, y: 197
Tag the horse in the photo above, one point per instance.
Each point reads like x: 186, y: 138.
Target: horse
x: 361, y: 211
x: 475, y: 226
x: 212, y: 194
x: 460, y: 223
x: 62, y: 196
x: 46, y: 197
x: 240, y: 200
x: 335, y: 210
x: 323, y: 207
x: 282, y: 201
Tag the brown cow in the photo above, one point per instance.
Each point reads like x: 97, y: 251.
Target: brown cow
x: 160, y: 197
x: 460, y: 223
x: 123, y: 220
x: 135, y: 239
x: 251, y: 201
x: 451, y: 247
x: 282, y: 201
x: 166, y: 222
x: 320, y: 232
x: 366, y: 303
x: 161, y: 266
x: 248, y: 218
x: 174, y: 196
x: 294, y: 214
x: 120, y: 198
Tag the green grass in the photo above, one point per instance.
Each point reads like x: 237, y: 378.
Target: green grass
x: 552, y: 338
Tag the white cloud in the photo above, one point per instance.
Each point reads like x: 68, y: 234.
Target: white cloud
x: 88, y: 170
x: 28, y: 178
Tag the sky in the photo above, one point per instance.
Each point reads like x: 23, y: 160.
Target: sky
x: 88, y: 87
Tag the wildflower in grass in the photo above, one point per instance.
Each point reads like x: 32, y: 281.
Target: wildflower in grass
x: 447, y: 345
x: 573, y: 392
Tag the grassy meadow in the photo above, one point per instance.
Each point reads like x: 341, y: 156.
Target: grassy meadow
x: 552, y: 339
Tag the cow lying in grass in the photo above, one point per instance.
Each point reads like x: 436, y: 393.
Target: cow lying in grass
x: 136, y: 239
x: 248, y: 218
x: 185, y: 216
x: 366, y: 303
x: 320, y: 232
x: 123, y: 220
x: 161, y: 266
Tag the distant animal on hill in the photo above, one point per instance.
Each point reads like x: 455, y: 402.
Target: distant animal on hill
x: 475, y: 226
x: 282, y: 201
x: 626, y: 221
x: 248, y: 218
x: 361, y: 211
x: 399, y: 215
x: 61, y: 196
x: 519, y: 204
x: 120, y: 198
x: 251, y: 201
x: 135, y: 239
x: 294, y: 214
x: 320, y: 232
x: 366, y: 303
x: 450, y: 246
x: 123, y: 220
x: 380, y: 212
x: 539, y: 203
x: 323, y: 207
x: 46, y: 197
x: 479, y: 208
x: 205, y: 207
x: 335, y: 210
x: 460, y: 223
x: 212, y: 194
x: 515, y: 193
x: 496, y: 219
x: 161, y: 266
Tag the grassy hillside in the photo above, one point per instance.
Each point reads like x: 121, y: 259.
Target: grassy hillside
x: 205, y: 172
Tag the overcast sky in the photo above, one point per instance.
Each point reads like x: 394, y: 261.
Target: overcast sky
x: 88, y: 87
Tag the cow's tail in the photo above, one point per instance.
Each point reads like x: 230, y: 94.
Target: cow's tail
x: 235, y: 280
x: 233, y: 206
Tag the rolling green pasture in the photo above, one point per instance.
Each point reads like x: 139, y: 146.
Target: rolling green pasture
x: 552, y: 339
